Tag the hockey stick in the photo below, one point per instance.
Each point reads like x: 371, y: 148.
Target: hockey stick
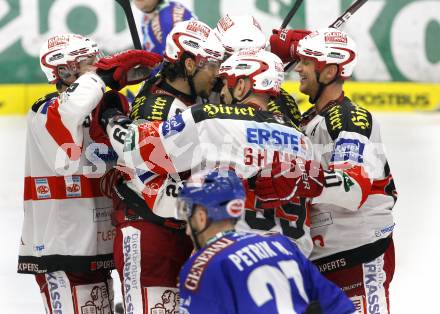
x: 338, y: 22
x: 347, y: 14
x: 291, y: 13
x: 287, y: 19
x: 125, y: 5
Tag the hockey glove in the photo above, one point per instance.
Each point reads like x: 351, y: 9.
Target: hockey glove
x: 127, y: 68
x: 283, y: 43
x: 112, y: 104
x: 282, y: 181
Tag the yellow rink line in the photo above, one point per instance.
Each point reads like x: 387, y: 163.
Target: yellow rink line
x: 15, y: 99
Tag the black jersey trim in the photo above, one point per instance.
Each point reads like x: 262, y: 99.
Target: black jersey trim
x: 353, y: 257
x: 236, y: 112
x: 285, y: 103
x: 68, y: 263
x: 41, y: 101
x: 349, y: 117
x: 151, y: 107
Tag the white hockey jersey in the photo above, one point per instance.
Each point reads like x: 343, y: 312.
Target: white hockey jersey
x: 67, y: 218
x: 355, y: 206
x: 237, y: 136
x: 157, y: 102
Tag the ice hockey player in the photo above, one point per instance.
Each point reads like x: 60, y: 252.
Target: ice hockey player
x: 352, y: 221
x: 242, y: 32
x: 241, y: 134
x: 192, y: 60
x: 67, y: 237
x: 159, y: 18
x: 234, y: 272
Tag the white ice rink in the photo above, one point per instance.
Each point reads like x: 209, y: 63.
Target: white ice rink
x: 413, y: 149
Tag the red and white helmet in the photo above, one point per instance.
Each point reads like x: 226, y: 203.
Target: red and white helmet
x: 330, y: 46
x: 65, y: 50
x: 196, y: 38
x: 263, y: 68
x: 239, y: 32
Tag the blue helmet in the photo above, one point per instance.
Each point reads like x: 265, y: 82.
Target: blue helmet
x: 219, y: 191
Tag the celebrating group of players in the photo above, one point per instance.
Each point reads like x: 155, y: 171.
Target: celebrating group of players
x: 212, y: 135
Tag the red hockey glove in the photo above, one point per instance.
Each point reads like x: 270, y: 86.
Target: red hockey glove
x: 113, y: 102
x: 127, y: 68
x: 282, y: 181
x: 283, y: 43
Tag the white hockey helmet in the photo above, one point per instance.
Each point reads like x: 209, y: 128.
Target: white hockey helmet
x: 263, y: 68
x: 196, y: 38
x: 65, y: 50
x: 330, y: 46
x: 239, y: 32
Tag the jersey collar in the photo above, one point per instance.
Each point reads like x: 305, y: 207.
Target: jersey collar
x: 185, y: 98
x: 332, y: 103
x: 218, y: 236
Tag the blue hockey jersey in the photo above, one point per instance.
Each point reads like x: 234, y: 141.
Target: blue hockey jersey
x: 157, y: 25
x: 249, y: 273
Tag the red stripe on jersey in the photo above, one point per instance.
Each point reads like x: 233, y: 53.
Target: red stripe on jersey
x: 380, y: 185
x: 280, y: 213
x: 76, y: 186
x: 358, y: 174
x: 152, y: 150
x: 60, y: 133
x: 75, y: 299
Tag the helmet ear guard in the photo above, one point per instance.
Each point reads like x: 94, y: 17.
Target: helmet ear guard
x: 220, y: 192
x: 231, y: 80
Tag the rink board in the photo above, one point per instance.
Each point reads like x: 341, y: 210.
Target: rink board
x: 15, y: 99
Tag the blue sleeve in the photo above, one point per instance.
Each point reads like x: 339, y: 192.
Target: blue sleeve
x: 166, y: 23
x: 188, y: 15
x: 199, y: 304
x: 212, y: 296
x: 170, y: 15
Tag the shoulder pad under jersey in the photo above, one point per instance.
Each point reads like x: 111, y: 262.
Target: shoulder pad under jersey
x: 278, y: 118
x: 237, y: 112
x: 219, y: 111
x: 151, y: 107
x: 284, y: 103
x: 349, y: 117
x: 42, y: 100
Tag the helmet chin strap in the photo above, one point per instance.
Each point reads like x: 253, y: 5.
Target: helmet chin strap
x: 236, y: 100
x: 60, y: 83
x: 190, y: 78
x: 191, y: 85
x: 195, y: 233
x: 321, y: 87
